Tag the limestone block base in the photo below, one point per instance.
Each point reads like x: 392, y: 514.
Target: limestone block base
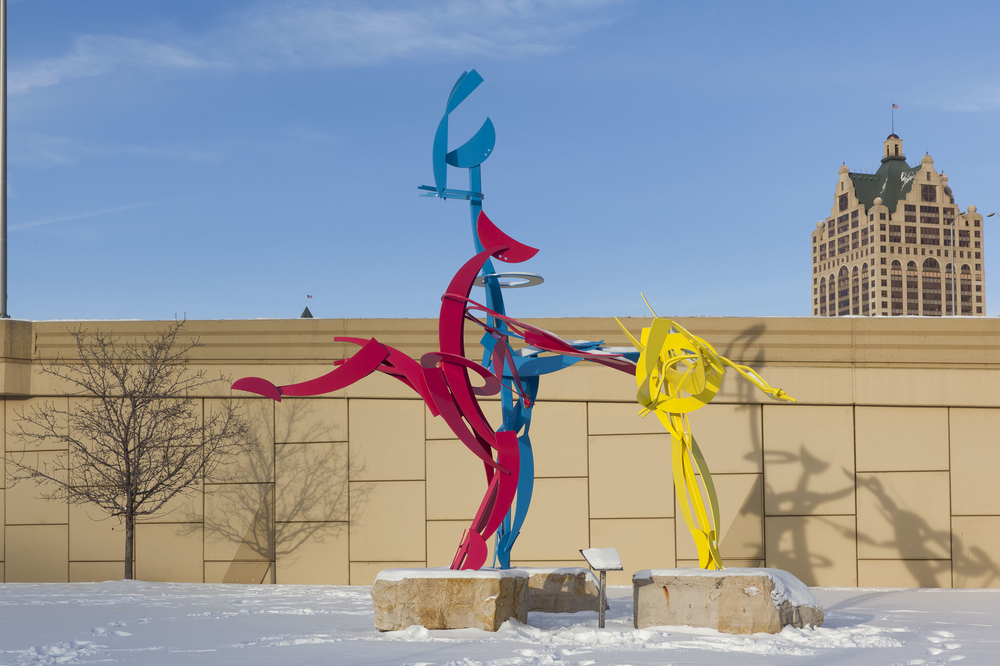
x: 562, y: 590
x: 446, y: 599
x: 733, y: 601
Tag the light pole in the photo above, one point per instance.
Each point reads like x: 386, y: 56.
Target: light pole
x: 3, y: 160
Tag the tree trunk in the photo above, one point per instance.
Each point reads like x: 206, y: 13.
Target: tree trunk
x: 129, y: 545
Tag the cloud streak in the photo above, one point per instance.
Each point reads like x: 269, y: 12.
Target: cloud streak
x: 96, y: 55
x: 315, y: 34
x: 38, y: 149
x: 81, y: 216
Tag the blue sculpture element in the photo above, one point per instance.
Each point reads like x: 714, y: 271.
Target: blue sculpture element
x: 528, y: 362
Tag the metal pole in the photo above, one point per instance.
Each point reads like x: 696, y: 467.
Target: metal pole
x: 3, y: 160
x: 601, y: 596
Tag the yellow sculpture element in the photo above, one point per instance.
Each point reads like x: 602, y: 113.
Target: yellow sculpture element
x: 677, y: 373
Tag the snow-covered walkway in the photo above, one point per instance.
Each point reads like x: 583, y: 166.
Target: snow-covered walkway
x: 168, y: 624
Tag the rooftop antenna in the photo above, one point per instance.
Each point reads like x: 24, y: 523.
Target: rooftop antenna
x: 893, y: 112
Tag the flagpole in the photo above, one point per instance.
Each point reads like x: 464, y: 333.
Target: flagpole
x: 893, y: 114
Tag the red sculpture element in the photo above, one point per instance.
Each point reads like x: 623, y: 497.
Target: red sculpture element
x: 491, y: 236
x: 442, y: 380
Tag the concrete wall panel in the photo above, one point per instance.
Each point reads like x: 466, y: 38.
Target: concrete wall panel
x: 386, y: 441
x: 904, y: 516
x: 37, y: 554
x: 898, y: 439
x: 387, y: 521
x: 819, y: 550
x: 311, y: 482
x: 975, y: 460
x: 630, y: 476
x: 300, y: 420
x: 171, y: 553
x: 94, y: 535
x: 808, y: 460
x: 312, y: 553
x: 904, y: 573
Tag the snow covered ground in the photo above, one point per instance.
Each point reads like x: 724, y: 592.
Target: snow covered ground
x: 166, y: 624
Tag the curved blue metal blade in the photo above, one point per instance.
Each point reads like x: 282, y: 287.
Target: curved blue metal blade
x: 455, y: 87
x: 466, y: 83
x: 532, y: 367
x: 474, y: 151
x: 438, y: 155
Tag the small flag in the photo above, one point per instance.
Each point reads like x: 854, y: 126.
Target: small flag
x: 309, y: 296
x: 895, y: 106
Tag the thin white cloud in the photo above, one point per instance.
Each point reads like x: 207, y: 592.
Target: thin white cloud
x: 94, y: 55
x: 973, y: 97
x: 80, y: 216
x: 985, y: 98
x: 312, y: 34
x: 38, y: 149
x: 305, y: 34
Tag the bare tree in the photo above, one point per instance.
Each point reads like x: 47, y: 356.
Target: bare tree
x: 136, y: 438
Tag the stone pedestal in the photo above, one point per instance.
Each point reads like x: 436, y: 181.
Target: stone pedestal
x: 562, y: 590
x: 446, y: 599
x: 733, y: 601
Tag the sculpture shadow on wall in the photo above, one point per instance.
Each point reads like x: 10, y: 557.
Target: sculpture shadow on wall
x: 744, y: 348
x: 283, y: 497
x: 929, y: 554
x: 790, y: 548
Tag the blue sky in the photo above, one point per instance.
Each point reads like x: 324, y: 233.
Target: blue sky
x: 224, y: 159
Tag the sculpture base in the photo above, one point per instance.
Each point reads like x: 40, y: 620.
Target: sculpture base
x: 562, y: 590
x: 733, y: 601
x: 446, y: 599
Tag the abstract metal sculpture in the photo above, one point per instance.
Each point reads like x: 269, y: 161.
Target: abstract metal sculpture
x: 677, y: 373
x: 442, y: 378
x: 683, y: 364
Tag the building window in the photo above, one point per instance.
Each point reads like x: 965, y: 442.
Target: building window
x: 928, y: 192
x: 843, y: 199
x: 881, y: 216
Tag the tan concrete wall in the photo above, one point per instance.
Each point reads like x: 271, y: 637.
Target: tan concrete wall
x: 882, y: 474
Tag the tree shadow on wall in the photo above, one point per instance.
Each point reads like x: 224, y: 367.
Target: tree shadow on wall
x: 790, y: 545
x: 286, y: 496
x: 927, y: 553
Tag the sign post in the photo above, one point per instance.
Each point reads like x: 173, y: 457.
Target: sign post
x: 602, y: 560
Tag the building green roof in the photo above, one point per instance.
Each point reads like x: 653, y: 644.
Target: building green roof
x: 891, y: 183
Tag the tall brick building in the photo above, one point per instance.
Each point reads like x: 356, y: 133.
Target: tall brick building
x: 889, y: 246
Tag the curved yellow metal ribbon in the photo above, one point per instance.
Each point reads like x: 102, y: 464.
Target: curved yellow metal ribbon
x: 677, y: 373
